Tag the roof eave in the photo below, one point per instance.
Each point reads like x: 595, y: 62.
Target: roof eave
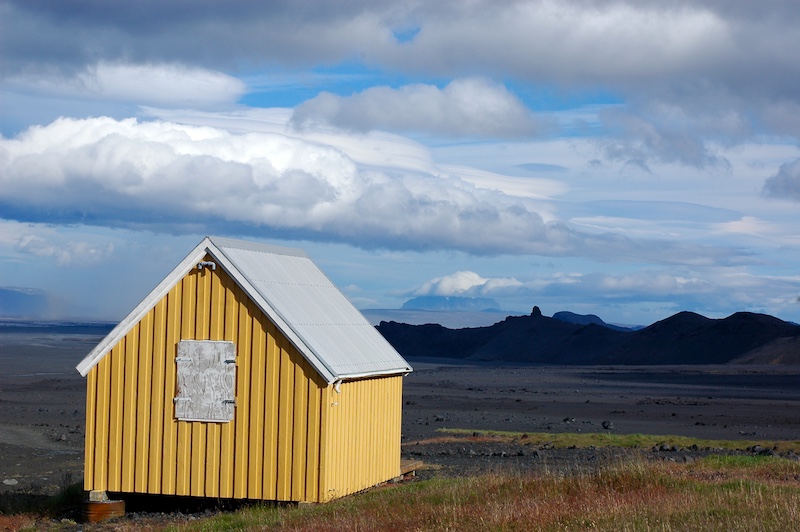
x: 123, y: 327
x: 208, y: 246
x: 385, y: 373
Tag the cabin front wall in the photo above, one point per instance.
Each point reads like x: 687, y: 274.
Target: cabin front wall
x: 271, y: 450
x: 361, y: 435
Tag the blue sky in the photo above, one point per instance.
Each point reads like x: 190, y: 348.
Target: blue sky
x: 627, y: 159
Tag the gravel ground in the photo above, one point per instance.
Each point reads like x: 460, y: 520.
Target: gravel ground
x: 42, y: 411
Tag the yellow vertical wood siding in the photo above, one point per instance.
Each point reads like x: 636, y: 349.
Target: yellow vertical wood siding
x: 292, y: 438
x: 361, y: 435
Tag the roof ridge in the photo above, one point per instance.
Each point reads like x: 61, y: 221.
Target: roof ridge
x: 224, y: 242
x: 325, y: 343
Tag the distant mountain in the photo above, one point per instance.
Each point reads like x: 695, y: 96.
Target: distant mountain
x: 50, y: 327
x: 451, y: 303
x: 785, y: 350
x: 685, y: 338
x: 452, y: 319
x: 586, y: 319
x: 449, y: 311
x: 16, y: 302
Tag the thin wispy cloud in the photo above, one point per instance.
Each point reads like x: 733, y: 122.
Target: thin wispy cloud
x: 70, y: 253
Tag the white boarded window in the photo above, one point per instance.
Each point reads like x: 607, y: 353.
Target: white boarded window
x: 206, y: 380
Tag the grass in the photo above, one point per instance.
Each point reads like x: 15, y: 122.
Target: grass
x: 760, y: 493
x: 605, y: 439
x: 716, y: 492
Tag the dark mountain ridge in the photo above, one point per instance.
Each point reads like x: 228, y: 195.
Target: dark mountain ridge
x: 586, y: 319
x: 684, y: 338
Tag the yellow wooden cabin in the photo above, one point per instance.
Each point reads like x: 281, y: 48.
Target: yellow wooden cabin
x: 244, y: 374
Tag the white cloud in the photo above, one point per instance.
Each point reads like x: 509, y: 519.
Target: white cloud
x: 70, y: 253
x: 568, y: 41
x: 465, y: 107
x: 178, y: 178
x: 654, y: 292
x: 170, y: 85
x: 466, y: 283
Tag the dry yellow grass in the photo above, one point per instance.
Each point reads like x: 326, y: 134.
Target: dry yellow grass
x: 751, y: 493
x: 714, y: 493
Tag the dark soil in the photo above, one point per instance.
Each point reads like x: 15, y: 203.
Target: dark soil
x: 709, y: 402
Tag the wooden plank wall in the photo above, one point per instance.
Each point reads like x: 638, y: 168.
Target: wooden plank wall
x: 270, y: 451
x: 362, y: 435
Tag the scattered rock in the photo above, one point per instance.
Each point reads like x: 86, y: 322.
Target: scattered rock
x: 665, y: 447
x: 608, y: 425
x: 10, y: 482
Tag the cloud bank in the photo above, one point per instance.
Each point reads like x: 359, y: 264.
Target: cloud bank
x: 164, y: 176
x: 465, y: 107
x: 693, y: 75
x: 712, y: 289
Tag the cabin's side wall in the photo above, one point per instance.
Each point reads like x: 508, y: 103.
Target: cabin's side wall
x: 271, y: 449
x: 361, y: 435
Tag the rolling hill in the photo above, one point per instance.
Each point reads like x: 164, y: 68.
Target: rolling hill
x: 684, y: 338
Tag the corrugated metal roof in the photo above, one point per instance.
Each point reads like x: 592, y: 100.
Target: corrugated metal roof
x: 306, y: 306
x: 330, y: 328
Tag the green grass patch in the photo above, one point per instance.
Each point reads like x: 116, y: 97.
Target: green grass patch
x: 606, y: 439
x: 723, y: 461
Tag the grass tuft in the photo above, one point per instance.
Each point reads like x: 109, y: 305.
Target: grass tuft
x: 605, y: 439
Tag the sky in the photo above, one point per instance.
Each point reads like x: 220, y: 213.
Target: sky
x: 629, y: 159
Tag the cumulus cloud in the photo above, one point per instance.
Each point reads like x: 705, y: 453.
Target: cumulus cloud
x: 466, y: 283
x: 785, y: 184
x: 70, y: 253
x: 730, y: 67
x: 177, y: 178
x: 465, y: 107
